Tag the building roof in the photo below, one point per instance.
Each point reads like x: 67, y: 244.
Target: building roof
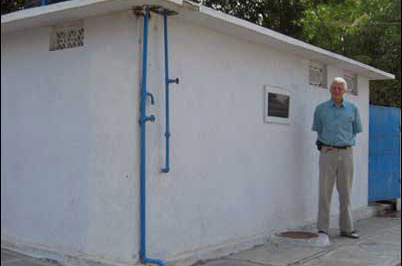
x: 79, y: 9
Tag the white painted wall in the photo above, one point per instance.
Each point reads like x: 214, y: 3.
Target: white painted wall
x: 70, y: 142
x: 70, y: 153
x: 234, y: 176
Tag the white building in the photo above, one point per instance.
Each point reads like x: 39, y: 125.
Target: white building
x: 70, y: 153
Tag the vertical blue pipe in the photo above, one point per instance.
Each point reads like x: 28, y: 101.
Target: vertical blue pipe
x: 143, y: 137
x: 43, y: 2
x: 143, y: 120
x: 167, y: 81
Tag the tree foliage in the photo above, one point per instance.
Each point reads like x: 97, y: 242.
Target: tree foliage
x: 281, y: 15
x: 8, y: 6
x: 365, y: 30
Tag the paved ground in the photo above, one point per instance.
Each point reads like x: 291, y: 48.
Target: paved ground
x: 9, y: 258
x: 379, y: 245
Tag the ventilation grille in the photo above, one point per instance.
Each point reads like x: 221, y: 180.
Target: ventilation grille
x: 67, y: 36
x: 318, y: 75
x: 351, y: 81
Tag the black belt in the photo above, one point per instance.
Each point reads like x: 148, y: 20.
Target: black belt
x: 336, y: 147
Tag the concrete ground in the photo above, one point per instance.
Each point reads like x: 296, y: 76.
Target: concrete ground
x: 10, y: 258
x: 379, y: 245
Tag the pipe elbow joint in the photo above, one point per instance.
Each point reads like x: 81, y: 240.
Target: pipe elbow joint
x: 166, y: 170
x: 151, y: 96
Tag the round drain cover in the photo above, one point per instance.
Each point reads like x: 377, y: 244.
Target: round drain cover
x: 298, y: 235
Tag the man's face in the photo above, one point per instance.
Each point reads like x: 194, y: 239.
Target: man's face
x: 337, y: 91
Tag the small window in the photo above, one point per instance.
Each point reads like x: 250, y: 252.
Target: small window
x: 67, y: 36
x: 351, y: 80
x: 277, y: 105
x: 318, y: 75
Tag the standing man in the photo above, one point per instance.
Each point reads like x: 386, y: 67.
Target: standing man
x: 337, y: 122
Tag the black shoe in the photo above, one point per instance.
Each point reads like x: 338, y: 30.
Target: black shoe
x: 322, y: 232
x: 353, y: 235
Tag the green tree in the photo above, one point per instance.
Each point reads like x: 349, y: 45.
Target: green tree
x: 8, y: 6
x: 365, y: 30
x: 283, y: 16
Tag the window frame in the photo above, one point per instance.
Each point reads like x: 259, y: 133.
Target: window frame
x: 274, y: 119
x: 324, y: 76
x: 353, y: 77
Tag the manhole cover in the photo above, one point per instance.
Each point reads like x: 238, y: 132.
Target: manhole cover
x: 298, y: 235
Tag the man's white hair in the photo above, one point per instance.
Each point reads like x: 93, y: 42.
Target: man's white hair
x: 340, y: 80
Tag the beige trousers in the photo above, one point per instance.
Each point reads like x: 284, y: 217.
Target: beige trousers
x: 336, y: 166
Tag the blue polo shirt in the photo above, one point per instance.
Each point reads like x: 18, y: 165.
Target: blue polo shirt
x: 337, y: 126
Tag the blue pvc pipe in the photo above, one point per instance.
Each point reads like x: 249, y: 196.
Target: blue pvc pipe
x: 43, y: 2
x: 167, y: 82
x: 166, y: 169
x: 143, y: 120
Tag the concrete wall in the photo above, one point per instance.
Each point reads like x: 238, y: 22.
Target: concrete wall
x: 234, y: 176
x: 70, y: 143
x: 70, y: 159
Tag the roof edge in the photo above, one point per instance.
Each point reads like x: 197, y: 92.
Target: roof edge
x: 12, y: 21
x: 62, y: 6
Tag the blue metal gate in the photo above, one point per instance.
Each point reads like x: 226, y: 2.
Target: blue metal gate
x: 384, y: 153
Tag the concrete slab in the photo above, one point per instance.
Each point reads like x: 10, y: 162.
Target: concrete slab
x: 320, y: 262
x: 372, y: 229
x: 7, y: 256
x: 379, y: 222
x: 342, y: 241
x: 323, y: 262
x: 379, y: 245
x: 381, y: 249
x: 353, y: 255
x: 23, y: 263
x: 274, y: 254
x: 229, y: 263
x: 388, y: 236
x: 10, y: 258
